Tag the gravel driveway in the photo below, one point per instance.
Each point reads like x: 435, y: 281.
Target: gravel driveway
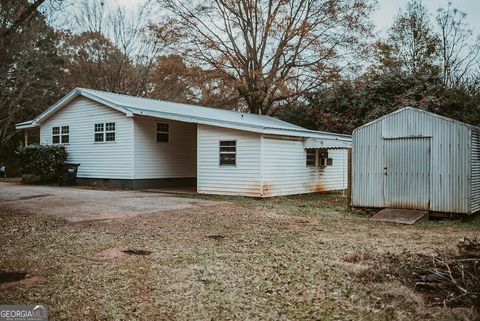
x: 75, y: 204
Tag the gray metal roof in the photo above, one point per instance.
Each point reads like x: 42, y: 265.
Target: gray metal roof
x: 188, y: 113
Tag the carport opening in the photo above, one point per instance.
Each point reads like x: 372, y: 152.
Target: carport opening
x: 166, y: 161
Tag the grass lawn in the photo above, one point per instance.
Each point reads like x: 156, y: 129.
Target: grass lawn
x: 301, y: 258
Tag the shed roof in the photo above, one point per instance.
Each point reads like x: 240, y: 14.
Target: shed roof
x: 138, y: 106
x: 412, y: 109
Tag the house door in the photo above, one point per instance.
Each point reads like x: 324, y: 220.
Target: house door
x: 407, y: 173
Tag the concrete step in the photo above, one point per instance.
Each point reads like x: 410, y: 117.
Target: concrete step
x: 401, y: 216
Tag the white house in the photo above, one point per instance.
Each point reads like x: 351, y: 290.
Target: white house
x: 143, y: 143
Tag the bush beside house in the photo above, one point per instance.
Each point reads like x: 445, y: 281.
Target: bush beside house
x: 41, y: 163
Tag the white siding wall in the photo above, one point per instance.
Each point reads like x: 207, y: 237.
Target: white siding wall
x: 242, y: 179
x: 175, y: 159
x: 97, y: 160
x: 284, y: 169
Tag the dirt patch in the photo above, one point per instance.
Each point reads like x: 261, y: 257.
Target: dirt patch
x: 216, y: 237
x: 18, y: 278
x: 8, y: 277
x: 137, y: 252
x: 113, y: 253
x: 29, y: 280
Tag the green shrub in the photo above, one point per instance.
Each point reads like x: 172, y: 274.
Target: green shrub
x: 44, y: 161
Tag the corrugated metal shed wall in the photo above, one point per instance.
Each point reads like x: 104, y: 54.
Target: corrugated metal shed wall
x: 475, y: 172
x: 450, y: 159
x: 367, y: 167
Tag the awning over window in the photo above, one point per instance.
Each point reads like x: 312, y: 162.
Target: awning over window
x: 326, y: 143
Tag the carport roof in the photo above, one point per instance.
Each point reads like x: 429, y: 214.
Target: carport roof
x: 139, y: 106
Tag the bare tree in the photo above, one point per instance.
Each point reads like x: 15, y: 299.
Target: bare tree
x: 460, y: 49
x: 270, y: 51
x: 173, y: 80
x: 114, y: 46
x: 412, y: 44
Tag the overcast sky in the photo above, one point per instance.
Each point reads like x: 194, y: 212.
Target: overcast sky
x: 387, y: 9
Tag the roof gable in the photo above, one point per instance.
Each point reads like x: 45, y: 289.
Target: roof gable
x: 419, y: 111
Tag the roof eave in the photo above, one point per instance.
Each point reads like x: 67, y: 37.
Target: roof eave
x: 245, y: 127
x: 198, y: 120
x: 26, y: 125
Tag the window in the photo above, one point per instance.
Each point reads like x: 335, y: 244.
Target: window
x: 109, y: 132
x: 104, y: 132
x: 60, y: 135
x: 55, y: 135
x: 99, y: 132
x: 311, y: 157
x: 228, y: 152
x: 321, y: 154
x: 163, y: 133
x: 323, y: 159
x: 65, y: 134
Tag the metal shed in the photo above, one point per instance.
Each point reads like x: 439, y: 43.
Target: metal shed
x: 415, y: 159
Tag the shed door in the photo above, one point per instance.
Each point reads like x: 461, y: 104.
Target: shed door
x: 407, y: 173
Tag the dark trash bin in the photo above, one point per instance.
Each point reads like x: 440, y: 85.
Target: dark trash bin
x: 69, y: 174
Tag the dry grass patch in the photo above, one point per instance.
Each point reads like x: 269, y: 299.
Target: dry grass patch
x: 290, y: 258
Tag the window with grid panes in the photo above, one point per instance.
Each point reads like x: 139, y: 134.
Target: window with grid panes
x: 228, y: 152
x: 104, y: 132
x: 60, y: 135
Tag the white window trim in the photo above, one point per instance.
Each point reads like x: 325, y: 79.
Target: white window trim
x: 60, y: 142
x: 220, y: 152
x: 104, y: 132
x: 162, y: 132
